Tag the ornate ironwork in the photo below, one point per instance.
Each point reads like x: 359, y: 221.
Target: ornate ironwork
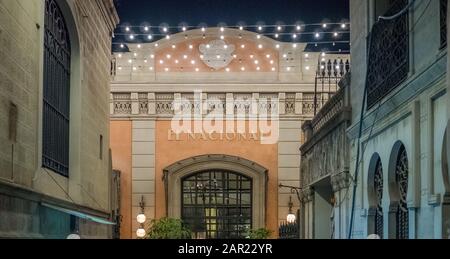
x: 378, y: 186
x: 328, y: 75
x: 401, y: 177
x: 443, y: 20
x: 388, y: 64
x: 289, y: 230
x: 217, y: 204
x: 56, y: 98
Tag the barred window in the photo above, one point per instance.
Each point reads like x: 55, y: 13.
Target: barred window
x: 401, y: 180
x: 56, y: 96
x: 389, y: 54
x: 378, y: 186
x: 443, y: 21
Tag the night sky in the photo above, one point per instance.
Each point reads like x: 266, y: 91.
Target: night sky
x: 212, y: 13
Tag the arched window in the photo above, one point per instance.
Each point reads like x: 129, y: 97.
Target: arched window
x: 217, y: 204
x: 401, y: 180
x: 378, y: 188
x: 56, y: 95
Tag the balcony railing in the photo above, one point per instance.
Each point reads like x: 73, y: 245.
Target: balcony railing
x: 388, y: 54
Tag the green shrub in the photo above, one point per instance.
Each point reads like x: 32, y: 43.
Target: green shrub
x: 261, y: 233
x: 167, y: 228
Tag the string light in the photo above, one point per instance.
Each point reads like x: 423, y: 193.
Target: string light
x: 298, y: 27
x: 161, y: 62
x: 150, y: 37
x: 184, y: 28
x: 279, y: 28
x: 165, y: 29
x: 127, y: 28
x: 146, y: 28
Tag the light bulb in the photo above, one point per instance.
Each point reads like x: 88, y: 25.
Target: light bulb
x: 227, y: 69
x: 258, y: 36
x: 291, y: 218
x: 294, y: 36
x: 139, y: 46
x: 184, y: 28
x: 222, y: 29
x: 279, y: 28
x: 191, y: 46
x: 335, y: 34
x: 267, y: 56
x: 165, y: 29
x: 324, y: 25
x: 306, y: 55
x: 258, y: 68
x: 141, y: 218
x: 150, y: 37
x: 260, y: 46
x: 122, y: 46
x: 141, y: 233
x: 127, y: 28
x: 168, y: 37
x: 277, y: 46
x: 343, y: 26
x: 242, y: 46
x: 294, y: 45
x: 241, y: 28
x: 317, y: 35
x: 146, y: 28
x: 273, y: 69
x: 131, y: 37
x: 299, y: 27
x: 174, y: 46
x: 307, y: 68
x: 203, y: 29
x: 276, y: 35
x: 260, y: 28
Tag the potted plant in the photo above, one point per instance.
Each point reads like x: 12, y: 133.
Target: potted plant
x: 168, y: 228
x: 261, y: 233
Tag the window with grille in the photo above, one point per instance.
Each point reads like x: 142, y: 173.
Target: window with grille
x: 443, y: 21
x: 378, y: 186
x: 217, y: 204
x: 388, y: 64
x: 56, y: 95
x: 401, y: 178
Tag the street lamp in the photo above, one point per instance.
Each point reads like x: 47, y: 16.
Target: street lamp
x: 141, y: 218
x: 291, y: 218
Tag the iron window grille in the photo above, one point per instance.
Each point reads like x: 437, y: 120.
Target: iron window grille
x: 388, y: 64
x: 443, y: 21
x: 56, y: 96
x: 401, y: 176
x: 217, y: 204
x: 378, y: 185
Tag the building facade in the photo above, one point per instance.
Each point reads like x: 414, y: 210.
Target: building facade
x: 397, y: 186
x: 206, y: 125
x: 55, y: 172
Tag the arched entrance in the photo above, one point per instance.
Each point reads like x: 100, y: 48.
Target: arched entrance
x: 218, y: 196
x: 217, y: 204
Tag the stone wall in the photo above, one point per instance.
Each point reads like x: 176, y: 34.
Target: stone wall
x: 90, y: 25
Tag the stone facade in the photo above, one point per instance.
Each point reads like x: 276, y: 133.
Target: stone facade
x: 24, y: 184
x: 400, y: 155
x: 151, y: 78
x: 325, y: 166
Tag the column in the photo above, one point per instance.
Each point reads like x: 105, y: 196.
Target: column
x: 143, y: 169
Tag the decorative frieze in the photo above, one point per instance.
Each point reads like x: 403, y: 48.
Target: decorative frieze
x: 341, y: 181
x: 163, y: 104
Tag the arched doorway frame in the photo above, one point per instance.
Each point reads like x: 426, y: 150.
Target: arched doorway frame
x: 175, y: 173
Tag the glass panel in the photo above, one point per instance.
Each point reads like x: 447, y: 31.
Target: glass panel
x: 218, y: 202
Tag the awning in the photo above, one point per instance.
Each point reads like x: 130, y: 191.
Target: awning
x: 80, y: 215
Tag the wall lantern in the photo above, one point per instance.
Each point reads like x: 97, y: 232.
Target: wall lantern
x: 141, y: 219
x: 291, y: 218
